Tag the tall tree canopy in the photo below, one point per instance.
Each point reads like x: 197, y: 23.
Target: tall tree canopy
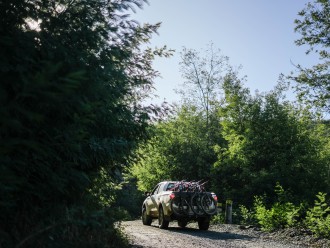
x: 268, y: 141
x: 179, y: 149
x: 313, y: 26
x: 243, y: 144
x: 72, y: 77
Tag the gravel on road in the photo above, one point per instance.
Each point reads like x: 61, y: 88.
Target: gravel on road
x: 231, y: 236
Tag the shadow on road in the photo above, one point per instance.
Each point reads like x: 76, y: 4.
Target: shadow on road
x: 215, y: 235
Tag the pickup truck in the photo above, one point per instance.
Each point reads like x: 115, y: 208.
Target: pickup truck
x: 170, y: 201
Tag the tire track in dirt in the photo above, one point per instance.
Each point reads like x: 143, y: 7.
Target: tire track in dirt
x: 142, y: 236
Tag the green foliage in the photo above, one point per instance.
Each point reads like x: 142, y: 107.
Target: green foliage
x: 130, y: 198
x: 72, y: 79
x: 313, y: 26
x: 321, y: 136
x: 247, y: 217
x: 244, y: 145
x: 318, y: 217
x: 268, y: 141
x: 152, y: 165
x: 283, y: 214
x: 86, y: 228
x: 280, y: 215
x: 268, y: 219
x: 104, y: 188
x: 179, y: 149
x: 218, y: 219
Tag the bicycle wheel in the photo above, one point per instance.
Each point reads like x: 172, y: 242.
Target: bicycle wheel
x: 209, y: 205
x: 196, y: 204
x: 179, y: 206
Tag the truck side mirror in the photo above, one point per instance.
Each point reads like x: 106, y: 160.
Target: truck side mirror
x: 147, y: 193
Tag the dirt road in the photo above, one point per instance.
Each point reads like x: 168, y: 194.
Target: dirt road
x: 228, y: 236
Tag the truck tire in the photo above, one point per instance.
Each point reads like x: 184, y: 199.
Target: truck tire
x: 204, y: 224
x: 162, y: 223
x: 146, y: 219
x: 182, y: 223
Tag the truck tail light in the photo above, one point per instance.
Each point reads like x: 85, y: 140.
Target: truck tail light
x: 172, y: 196
x: 215, y: 197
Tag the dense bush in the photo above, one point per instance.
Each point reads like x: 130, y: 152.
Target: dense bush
x: 283, y: 214
x: 280, y: 215
x: 318, y: 217
x: 219, y: 218
x: 72, y: 78
x: 246, y: 216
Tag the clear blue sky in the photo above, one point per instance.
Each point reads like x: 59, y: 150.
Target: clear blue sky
x: 257, y: 34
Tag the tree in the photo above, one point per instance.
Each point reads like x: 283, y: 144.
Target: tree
x: 268, y: 141
x: 204, y: 76
x: 153, y: 161
x: 313, y: 84
x: 178, y: 150
x: 181, y: 148
x: 73, y: 75
x: 231, y: 170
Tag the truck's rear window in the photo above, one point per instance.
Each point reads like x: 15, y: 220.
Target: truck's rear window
x: 170, y: 186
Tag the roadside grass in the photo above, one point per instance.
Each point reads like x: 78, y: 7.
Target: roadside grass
x: 283, y: 214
